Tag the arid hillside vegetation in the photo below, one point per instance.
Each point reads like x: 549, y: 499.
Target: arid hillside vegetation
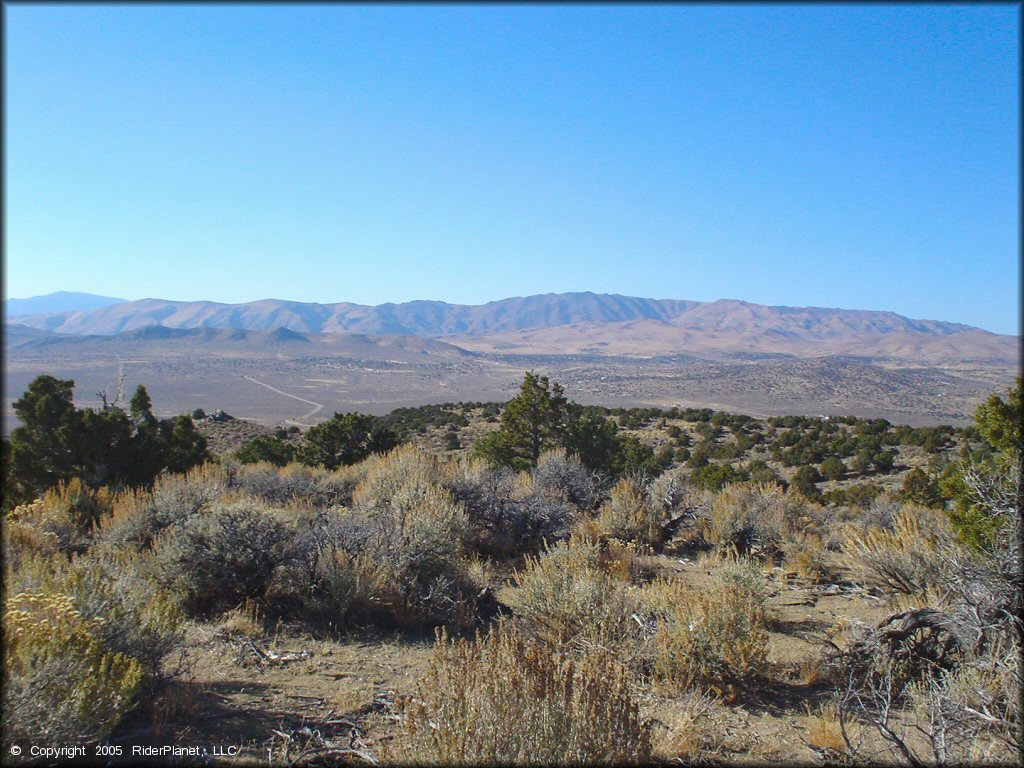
x: 532, y: 582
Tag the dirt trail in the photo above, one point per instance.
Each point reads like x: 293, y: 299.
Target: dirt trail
x: 304, y: 417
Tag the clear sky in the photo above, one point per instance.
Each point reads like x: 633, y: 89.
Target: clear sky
x: 862, y: 157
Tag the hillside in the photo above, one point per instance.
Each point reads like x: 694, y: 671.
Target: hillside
x: 23, y: 341
x: 289, y: 609
x: 788, y: 336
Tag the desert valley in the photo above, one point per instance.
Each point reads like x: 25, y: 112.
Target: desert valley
x: 277, y: 362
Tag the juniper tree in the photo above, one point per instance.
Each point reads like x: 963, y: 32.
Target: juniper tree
x: 533, y: 421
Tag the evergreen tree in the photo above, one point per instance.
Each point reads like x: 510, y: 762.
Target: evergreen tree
x: 833, y: 468
x: 805, y: 481
x: 919, y: 488
x: 266, y: 448
x: 594, y: 439
x: 998, y: 423
x: 57, y: 442
x: 44, y: 449
x: 345, y: 439
x: 146, y: 440
x: 533, y: 421
x: 106, y: 452
x: 182, y: 446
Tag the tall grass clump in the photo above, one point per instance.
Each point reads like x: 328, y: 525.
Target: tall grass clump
x: 908, y: 558
x: 505, y: 699
x: 755, y: 517
x: 567, y: 596
x: 712, y: 638
x: 133, y: 615
x: 629, y: 515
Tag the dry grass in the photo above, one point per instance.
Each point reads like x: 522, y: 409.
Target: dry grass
x: 245, y: 620
x: 686, y: 733
x: 175, y: 702
x: 505, y: 699
x: 629, y: 516
x: 908, y: 558
x: 566, y: 597
x: 711, y: 638
x: 810, y: 671
x: 804, y: 554
x: 824, y: 733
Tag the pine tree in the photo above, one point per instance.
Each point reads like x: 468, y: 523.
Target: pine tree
x: 533, y: 421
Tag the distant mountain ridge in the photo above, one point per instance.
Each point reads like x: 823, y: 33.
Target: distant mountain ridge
x: 437, y: 319
x: 24, y: 340
x: 61, y: 301
x: 564, y: 323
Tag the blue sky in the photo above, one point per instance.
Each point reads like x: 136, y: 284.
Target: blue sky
x: 861, y: 157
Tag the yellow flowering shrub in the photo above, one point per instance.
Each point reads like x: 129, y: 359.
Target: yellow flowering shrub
x: 59, y: 680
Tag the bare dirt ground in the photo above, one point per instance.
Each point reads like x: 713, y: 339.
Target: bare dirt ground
x: 285, y: 390
x: 261, y: 698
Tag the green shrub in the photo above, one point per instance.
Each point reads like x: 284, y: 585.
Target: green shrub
x: 833, y: 468
x: 86, y: 641
x: 714, y: 477
x: 269, y: 448
x: 214, y: 561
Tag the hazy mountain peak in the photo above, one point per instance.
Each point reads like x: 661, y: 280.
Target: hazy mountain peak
x: 61, y: 301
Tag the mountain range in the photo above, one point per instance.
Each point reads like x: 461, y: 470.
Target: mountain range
x: 416, y: 318
x: 292, y: 362
x: 578, y: 323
